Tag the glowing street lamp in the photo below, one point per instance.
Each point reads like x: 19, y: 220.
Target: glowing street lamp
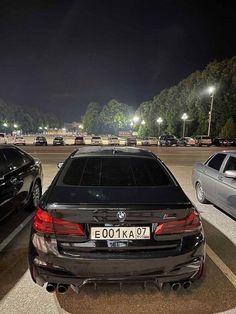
x: 45, y: 128
x: 5, y: 124
x: 211, y: 91
x: 15, y: 126
x: 159, y: 121
x: 184, y: 118
x: 131, y: 124
x: 143, y: 122
x: 135, y: 119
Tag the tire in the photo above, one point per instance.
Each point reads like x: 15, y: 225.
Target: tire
x: 35, y: 196
x: 200, y: 193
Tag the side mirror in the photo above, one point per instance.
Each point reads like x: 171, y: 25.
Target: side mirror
x: 230, y: 174
x: 59, y: 165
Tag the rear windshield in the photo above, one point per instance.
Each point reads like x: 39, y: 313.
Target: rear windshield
x: 96, y: 137
x: 58, y: 138
x: 115, y: 171
x: 40, y: 138
x: 79, y: 138
x: 206, y: 138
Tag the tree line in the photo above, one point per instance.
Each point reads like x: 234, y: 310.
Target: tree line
x: 188, y: 96
x: 191, y: 96
x: 29, y: 120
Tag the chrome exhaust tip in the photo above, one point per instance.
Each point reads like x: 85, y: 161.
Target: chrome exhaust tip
x: 51, y: 287
x: 175, y: 286
x: 62, y: 288
x: 187, y: 284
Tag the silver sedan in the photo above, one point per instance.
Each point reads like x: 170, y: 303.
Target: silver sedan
x: 215, y: 181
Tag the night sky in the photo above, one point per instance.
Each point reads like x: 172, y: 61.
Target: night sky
x: 60, y: 55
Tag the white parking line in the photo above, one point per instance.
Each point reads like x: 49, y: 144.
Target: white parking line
x: 15, y: 232
x: 221, y: 265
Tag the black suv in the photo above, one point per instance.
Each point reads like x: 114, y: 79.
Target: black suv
x: 20, y: 180
x: 58, y: 141
x: 40, y: 141
x: 115, y: 215
x: 168, y: 140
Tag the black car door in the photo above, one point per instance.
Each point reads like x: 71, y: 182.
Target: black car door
x: 17, y: 180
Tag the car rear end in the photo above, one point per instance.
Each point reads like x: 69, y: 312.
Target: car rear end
x: 79, y: 140
x: 131, y: 141
x: 104, y: 219
x: 206, y: 140
x: 58, y: 141
x: 114, y: 141
x: 19, y: 141
x: 96, y: 140
x: 3, y: 138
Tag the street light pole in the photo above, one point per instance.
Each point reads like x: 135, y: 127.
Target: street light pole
x: 159, y: 121
x: 210, y: 112
x: 184, y: 118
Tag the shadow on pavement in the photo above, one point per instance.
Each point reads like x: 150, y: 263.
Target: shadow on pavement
x: 13, y: 263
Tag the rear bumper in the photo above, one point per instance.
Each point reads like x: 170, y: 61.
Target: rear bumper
x: 80, y: 271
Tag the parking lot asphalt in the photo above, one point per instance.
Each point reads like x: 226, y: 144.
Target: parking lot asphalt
x: 216, y: 293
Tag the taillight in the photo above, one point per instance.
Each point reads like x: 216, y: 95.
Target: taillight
x: 190, y: 223
x: 45, y: 223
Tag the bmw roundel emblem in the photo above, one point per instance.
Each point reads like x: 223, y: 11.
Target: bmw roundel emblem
x: 121, y: 216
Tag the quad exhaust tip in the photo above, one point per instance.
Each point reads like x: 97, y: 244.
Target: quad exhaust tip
x: 187, y: 284
x: 51, y: 287
x: 62, y: 288
x: 176, y: 286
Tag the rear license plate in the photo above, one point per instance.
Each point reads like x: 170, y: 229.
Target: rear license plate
x: 120, y: 233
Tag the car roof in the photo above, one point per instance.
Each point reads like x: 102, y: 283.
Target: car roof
x: 108, y: 151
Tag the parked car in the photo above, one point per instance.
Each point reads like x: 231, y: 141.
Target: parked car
x: 113, y: 140
x: 203, y: 140
x: 3, y: 138
x: 218, y: 141
x: 186, y: 141
x: 19, y: 140
x: 58, y: 141
x: 231, y: 142
x: 79, y: 140
x: 40, y: 141
x: 123, y: 141
x: 131, y: 141
x: 215, y: 181
x: 96, y: 140
x: 20, y: 180
x: 150, y: 141
x: 168, y: 140
x: 115, y: 215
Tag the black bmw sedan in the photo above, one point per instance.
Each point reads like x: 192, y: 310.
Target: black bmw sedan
x: 20, y: 180
x: 115, y: 215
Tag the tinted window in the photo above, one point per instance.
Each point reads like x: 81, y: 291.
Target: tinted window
x: 14, y: 158
x: 3, y: 165
x: 231, y: 164
x: 216, y: 161
x: 119, y: 171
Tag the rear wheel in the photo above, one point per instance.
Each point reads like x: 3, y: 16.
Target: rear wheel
x: 35, y: 196
x: 200, y: 194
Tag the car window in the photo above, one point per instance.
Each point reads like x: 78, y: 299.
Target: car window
x: 3, y: 164
x: 14, y: 158
x: 231, y: 164
x: 216, y: 161
x: 120, y: 171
